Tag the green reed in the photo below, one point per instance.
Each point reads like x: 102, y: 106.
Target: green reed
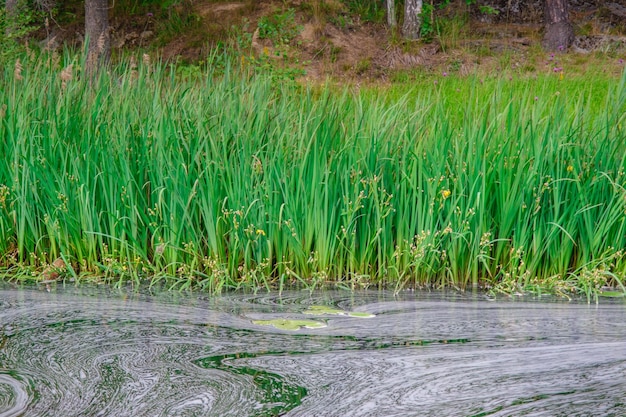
x: 234, y: 179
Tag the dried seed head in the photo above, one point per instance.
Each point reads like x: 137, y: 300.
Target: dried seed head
x: 133, y: 68
x: 66, y: 75
x: 17, y: 73
x: 56, y: 59
x: 146, y: 59
x: 159, y: 249
x: 257, y: 165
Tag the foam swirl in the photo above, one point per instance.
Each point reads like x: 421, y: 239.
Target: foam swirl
x: 86, y: 352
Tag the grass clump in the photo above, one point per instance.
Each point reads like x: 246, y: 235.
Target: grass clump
x: 230, y: 180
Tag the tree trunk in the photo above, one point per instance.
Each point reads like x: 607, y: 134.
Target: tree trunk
x: 97, y: 34
x: 10, y: 7
x: 559, y: 33
x: 11, y: 10
x: 412, y: 21
x: 391, y: 13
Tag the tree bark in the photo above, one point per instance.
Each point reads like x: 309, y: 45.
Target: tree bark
x: 412, y: 21
x: 559, y: 33
x: 391, y: 13
x: 10, y: 7
x: 97, y: 34
x: 11, y: 10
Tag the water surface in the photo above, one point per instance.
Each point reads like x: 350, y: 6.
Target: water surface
x: 96, y: 352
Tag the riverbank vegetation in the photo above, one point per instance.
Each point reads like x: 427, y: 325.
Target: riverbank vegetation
x: 228, y: 177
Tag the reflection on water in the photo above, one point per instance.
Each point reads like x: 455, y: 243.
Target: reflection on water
x: 94, y: 352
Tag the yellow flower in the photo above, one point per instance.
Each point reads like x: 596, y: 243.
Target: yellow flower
x: 446, y: 193
x: 260, y: 232
x: 570, y: 168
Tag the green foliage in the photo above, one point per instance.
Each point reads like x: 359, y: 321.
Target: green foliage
x: 427, y: 28
x: 455, y: 65
x: 176, y: 21
x: 489, y: 10
x: 452, y: 29
x: 14, y: 29
x: 230, y: 179
x: 280, y: 28
x: 342, y: 21
x: 188, y: 72
x: 368, y: 10
x: 241, y: 38
x: 134, y: 6
x: 363, y: 66
x: 266, y: 65
x: 449, y: 28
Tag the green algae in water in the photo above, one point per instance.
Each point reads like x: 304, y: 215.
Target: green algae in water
x: 612, y: 294
x: 325, y: 310
x: 277, y: 395
x: 287, y: 324
x: 360, y: 315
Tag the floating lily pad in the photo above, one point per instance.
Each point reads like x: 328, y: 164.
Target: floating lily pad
x: 286, y: 324
x: 614, y: 294
x: 325, y: 310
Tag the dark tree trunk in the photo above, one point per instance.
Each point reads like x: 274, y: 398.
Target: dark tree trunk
x: 559, y: 33
x: 97, y: 34
x: 412, y: 22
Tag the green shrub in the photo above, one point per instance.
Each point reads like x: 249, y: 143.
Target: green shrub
x: 280, y: 28
x: 13, y: 29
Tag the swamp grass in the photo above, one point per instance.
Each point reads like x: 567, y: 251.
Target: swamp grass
x: 233, y: 179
